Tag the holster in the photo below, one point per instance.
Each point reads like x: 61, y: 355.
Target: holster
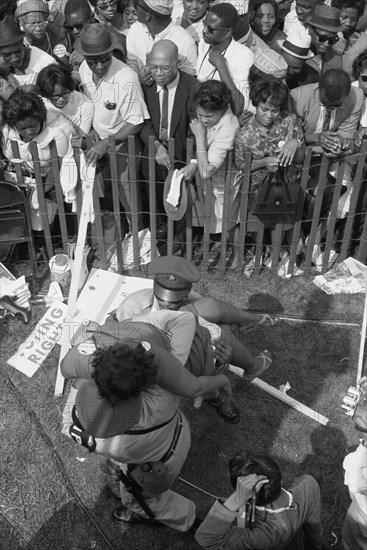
x: 151, y: 477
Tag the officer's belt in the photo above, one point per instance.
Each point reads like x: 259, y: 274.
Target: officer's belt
x: 77, y: 422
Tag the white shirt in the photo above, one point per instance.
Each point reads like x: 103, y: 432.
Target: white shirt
x: 139, y: 43
x: 79, y: 110
x: 239, y: 60
x: 38, y: 60
x: 172, y: 87
x: 117, y: 98
x: 363, y: 121
x: 195, y: 29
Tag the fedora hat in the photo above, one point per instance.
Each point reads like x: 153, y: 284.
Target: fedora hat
x: 298, y: 45
x: 175, y: 196
x: 99, y: 418
x: 10, y: 32
x: 96, y: 39
x: 326, y: 18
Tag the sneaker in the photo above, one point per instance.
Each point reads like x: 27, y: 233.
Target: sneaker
x: 226, y: 407
x: 124, y: 516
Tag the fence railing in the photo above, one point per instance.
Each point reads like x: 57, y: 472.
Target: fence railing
x: 347, y: 236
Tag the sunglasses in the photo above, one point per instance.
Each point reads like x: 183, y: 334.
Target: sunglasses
x: 64, y: 95
x: 322, y: 38
x: 212, y: 30
x: 363, y: 77
x: 104, y: 7
x: 77, y: 27
x: 103, y: 60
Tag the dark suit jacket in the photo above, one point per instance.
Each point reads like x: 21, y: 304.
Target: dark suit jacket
x: 182, y: 113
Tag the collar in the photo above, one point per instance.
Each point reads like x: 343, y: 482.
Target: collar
x: 110, y: 75
x: 172, y: 85
x: 282, y: 503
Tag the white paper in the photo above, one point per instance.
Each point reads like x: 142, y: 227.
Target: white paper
x: 173, y: 196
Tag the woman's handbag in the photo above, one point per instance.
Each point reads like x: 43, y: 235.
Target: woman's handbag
x: 276, y: 198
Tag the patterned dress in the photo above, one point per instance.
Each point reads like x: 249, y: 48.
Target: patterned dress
x: 250, y: 139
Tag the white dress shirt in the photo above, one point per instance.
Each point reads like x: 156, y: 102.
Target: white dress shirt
x: 139, y: 43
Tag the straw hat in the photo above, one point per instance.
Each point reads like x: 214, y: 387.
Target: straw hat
x: 96, y: 39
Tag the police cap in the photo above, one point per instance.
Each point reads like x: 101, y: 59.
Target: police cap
x: 173, y: 277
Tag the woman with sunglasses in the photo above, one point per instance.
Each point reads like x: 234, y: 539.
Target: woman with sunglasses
x: 57, y: 88
x: 107, y: 14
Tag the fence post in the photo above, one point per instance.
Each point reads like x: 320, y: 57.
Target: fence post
x: 190, y: 193
x: 41, y: 198
x: 116, y: 201
x: 59, y: 194
x: 152, y: 197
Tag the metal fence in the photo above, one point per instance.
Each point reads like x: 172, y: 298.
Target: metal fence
x: 348, y: 236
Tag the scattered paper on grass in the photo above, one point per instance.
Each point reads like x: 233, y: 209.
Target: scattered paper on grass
x: 80, y: 458
x: 32, y: 353
x: 347, y: 277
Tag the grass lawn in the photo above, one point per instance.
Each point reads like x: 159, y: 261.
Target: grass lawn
x: 52, y: 491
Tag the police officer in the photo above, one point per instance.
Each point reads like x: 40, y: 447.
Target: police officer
x: 173, y: 280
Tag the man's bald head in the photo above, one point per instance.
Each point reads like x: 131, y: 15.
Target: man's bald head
x: 163, y: 62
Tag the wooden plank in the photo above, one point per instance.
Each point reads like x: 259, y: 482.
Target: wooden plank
x: 116, y: 201
x: 243, y: 213
x: 189, y: 156
x: 55, y: 163
x: 277, y: 235
x: 226, y: 208
x: 330, y: 223
x: 282, y: 396
x: 259, y: 248
x: 297, y: 226
x: 134, y: 199
x: 152, y: 197
x: 41, y: 198
x: 321, y: 185
x: 70, y: 312
x: 358, y: 182
x: 363, y: 335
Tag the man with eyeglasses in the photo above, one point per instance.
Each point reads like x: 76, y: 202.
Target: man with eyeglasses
x: 324, y: 26
x: 220, y: 57
x: 23, y: 62
x: 155, y: 23
x: 33, y: 20
x: 169, y: 101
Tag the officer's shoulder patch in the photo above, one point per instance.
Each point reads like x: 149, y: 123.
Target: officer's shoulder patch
x: 87, y: 348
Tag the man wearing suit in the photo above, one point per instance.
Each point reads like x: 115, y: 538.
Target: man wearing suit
x: 330, y: 111
x: 169, y: 102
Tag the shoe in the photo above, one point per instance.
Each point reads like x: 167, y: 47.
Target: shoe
x: 124, y: 516
x: 264, y: 361
x: 226, y: 407
x: 266, y: 320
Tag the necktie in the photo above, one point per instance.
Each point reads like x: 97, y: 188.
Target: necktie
x: 163, y: 135
x: 327, y: 119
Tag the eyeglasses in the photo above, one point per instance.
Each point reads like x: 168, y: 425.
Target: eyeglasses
x: 77, y: 27
x: 322, y: 38
x: 363, y: 77
x: 40, y: 25
x: 94, y: 61
x: 64, y: 95
x: 104, y: 7
x: 155, y: 68
x: 212, y: 30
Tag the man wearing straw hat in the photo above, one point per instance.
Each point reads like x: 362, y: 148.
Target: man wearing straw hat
x: 296, y: 51
x: 114, y: 88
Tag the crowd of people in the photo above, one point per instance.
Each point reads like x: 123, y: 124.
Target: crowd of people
x: 260, y: 77
x: 266, y: 78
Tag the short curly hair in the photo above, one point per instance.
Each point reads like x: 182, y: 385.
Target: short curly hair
x: 122, y: 371
x: 270, y: 89
x: 212, y: 95
x: 244, y: 464
x: 54, y: 75
x: 21, y: 105
x: 359, y: 64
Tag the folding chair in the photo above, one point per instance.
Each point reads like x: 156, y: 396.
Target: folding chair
x: 15, y: 226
